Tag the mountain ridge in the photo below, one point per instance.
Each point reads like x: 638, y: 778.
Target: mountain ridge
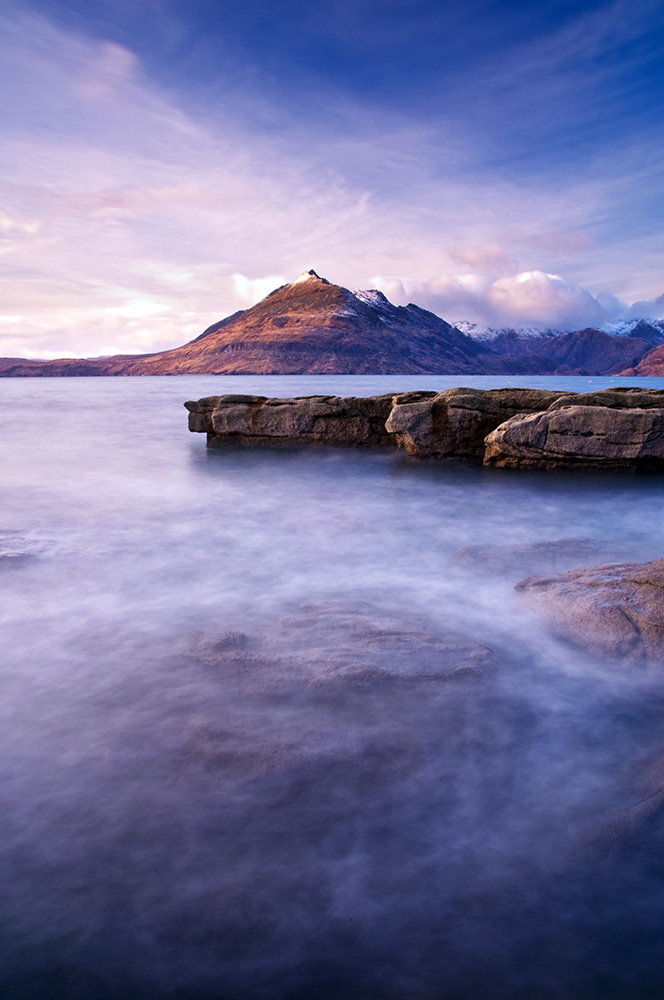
x: 312, y: 326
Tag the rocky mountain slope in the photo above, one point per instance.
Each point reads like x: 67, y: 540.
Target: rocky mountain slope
x: 583, y: 352
x: 650, y: 364
x: 311, y: 326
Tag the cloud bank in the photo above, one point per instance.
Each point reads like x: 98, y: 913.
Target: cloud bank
x: 529, y: 299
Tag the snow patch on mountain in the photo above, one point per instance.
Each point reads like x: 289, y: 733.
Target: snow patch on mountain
x: 645, y: 328
x: 372, y: 297
x: 479, y: 332
x: 308, y: 276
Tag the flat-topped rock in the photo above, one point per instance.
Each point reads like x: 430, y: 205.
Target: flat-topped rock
x: 603, y: 436
x: 614, y: 611
x: 626, y: 397
x: 511, y: 428
x: 450, y: 424
x: 259, y: 420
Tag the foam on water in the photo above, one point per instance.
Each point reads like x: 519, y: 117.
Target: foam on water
x: 199, y: 799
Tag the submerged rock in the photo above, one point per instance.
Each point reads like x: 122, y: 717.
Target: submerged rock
x: 346, y: 642
x: 329, y: 695
x: 363, y: 644
x: 612, y: 611
x: 533, y: 557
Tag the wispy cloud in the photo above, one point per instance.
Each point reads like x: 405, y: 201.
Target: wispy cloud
x: 133, y: 217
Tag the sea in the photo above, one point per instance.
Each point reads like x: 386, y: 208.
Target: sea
x: 223, y: 773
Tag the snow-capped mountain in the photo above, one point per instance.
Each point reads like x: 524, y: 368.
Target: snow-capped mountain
x: 479, y: 332
x: 312, y: 326
x: 651, y: 330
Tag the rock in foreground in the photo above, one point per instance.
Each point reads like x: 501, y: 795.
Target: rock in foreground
x: 454, y: 423
x: 449, y: 424
x: 612, y: 611
x: 515, y: 428
x: 257, y: 420
x: 579, y: 435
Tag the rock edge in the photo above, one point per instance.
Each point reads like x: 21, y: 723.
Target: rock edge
x: 508, y: 428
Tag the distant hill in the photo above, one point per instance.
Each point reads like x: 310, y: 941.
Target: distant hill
x: 651, y: 364
x: 311, y: 326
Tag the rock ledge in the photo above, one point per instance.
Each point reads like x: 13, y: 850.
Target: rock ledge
x: 508, y: 428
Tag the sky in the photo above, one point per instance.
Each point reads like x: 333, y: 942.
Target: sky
x: 164, y: 163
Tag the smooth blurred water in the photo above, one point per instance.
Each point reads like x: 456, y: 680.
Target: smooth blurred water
x: 170, y: 830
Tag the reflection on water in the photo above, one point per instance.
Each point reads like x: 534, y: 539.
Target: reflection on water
x: 254, y: 742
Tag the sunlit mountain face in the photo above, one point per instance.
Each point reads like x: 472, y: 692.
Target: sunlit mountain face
x: 312, y: 326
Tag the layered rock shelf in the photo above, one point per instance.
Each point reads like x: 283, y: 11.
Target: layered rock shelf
x: 510, y: 428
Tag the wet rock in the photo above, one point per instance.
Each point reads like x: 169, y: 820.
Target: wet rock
x: 612, y: 611
x: 535, y: 557
x: 593, y: 436
x: 330, y: 695
x: 363, y: 644
x: 450, y: 424
x: 350, y: 642
x: 454, y: 423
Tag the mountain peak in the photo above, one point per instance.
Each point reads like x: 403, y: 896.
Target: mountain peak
x: 310, y: 276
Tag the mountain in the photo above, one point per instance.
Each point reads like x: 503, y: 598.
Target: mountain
x: 582, y: 352
x: 311, y: 326
x: 651, y: 364
x: 650, y: 330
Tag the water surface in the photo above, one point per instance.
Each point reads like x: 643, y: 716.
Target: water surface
x: 182, y: 825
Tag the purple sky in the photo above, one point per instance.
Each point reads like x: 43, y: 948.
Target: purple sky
x: 166, y: 163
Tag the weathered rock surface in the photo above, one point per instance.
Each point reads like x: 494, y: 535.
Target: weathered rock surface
x: 535, y: 557
x: 450, y: 424
x: 612, y: 611
x: 617, y: 397
x: 350, y: 643
x: 257, y: 420
x: 454, y: 423
x: 515, y: 428
x: 603, y: 436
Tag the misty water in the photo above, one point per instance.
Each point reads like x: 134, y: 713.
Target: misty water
x: 202, y: 798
